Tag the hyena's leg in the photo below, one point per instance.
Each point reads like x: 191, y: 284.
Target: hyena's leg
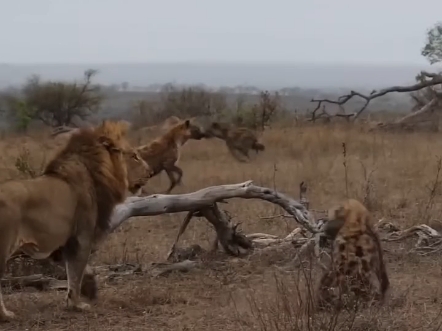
x: 236, y: 152
x: 173, y: 181
x: 244, y: 151
x: 326, y: 298
x: 362, y: 287
x: 179, y: 172
x: 144, y: 187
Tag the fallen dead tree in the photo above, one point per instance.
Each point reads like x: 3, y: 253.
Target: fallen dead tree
x: 204, y: 203
x: 426, y: 80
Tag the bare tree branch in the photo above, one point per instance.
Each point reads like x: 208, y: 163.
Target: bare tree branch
x: 157, y: 204
x: 424, y: 109
x: 402, y: 122
x: 428, y: 79
x: 204, y: 203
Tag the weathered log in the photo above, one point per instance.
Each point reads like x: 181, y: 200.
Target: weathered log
x: 204, y: 203
x: 38, y: 281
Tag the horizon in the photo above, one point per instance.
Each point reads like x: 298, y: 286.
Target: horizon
x: 262, y: 74
x: 308, y: 80
x: 230, y: 62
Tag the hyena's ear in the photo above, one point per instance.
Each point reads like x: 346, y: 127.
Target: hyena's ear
x: 337, y: 212
x: 187, y: 123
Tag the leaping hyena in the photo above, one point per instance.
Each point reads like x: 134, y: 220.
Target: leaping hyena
x: 237, y: 139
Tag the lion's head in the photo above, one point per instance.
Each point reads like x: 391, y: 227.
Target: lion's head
x: 137, y: 175
x: 94, y: 159
x: 113, y: 137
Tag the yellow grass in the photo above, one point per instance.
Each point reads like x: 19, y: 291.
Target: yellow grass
x: 392, y: 173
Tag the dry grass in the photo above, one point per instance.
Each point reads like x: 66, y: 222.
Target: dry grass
x: 394, y: 174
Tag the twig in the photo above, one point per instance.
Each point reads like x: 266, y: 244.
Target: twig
x: 275, y: 216
x: 344, y: 152
x: 433, y: 190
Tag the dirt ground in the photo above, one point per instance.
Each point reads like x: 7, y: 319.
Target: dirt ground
x: 396, y: 175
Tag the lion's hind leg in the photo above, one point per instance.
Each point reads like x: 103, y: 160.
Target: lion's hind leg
x: 5, y: 314
x: 6, y: 250
x: 89, y: 284
x: 76, y: 256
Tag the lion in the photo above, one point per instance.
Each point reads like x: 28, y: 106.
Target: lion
x: 67, y: 208
x: 163, y: 153
x: 356, y: 255
x: 237, y: 139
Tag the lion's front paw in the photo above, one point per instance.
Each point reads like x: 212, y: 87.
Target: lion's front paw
x: 6, y: 315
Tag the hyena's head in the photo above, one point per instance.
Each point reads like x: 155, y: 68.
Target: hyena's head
x: 187, y: 130
x: 218, y: 130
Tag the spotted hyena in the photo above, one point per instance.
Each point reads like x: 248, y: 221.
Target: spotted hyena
x: 356, y: 256
x: 237, y: 139
x: 163, y: 153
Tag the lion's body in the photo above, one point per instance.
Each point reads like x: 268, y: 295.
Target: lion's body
x: 67, y: 208
x: 356, y: 257
x: 237, y: 139
x: 28, y: 202
x: 163, y: 153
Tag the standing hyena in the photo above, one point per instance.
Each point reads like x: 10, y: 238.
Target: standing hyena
x: 356, y: 256
x: 164, y: 152
x: 237, y: 139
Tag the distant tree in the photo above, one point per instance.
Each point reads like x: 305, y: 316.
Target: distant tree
x: 191, y: 101
x: 260, y: 115
x: 432, y: 51
x: 53, y: 103
x: 433, y: 46
x: 23, y: 116
x: 124, y: 86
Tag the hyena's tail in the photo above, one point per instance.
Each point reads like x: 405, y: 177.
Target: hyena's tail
x: 384, y: 281
x: 258, y: 146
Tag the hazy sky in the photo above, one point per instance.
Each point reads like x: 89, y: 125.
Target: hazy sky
x: 375, y: 31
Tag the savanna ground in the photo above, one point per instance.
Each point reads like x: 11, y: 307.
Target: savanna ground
x: 394, y: 174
